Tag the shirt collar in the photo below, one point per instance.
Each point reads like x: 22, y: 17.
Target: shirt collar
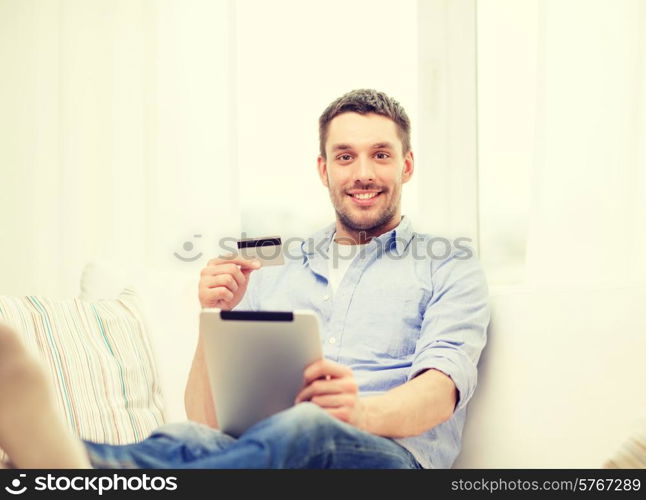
x: 396, y: 240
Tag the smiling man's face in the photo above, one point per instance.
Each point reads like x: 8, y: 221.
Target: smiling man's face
x: 364, y: 172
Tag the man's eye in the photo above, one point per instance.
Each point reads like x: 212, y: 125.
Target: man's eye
x: 382, y: 155
x: 345, y: 157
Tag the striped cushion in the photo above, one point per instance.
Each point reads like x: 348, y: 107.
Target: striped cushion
x: 632, y: 453
x: 100, y: 359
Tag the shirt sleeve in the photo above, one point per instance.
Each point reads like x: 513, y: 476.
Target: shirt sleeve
x: 454, y: 326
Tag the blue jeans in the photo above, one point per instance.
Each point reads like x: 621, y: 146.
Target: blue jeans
x: 301, y: 437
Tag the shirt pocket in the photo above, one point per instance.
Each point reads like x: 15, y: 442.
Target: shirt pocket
x: 385, y: 326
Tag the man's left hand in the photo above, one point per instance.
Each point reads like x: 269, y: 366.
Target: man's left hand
x: 332, y: 387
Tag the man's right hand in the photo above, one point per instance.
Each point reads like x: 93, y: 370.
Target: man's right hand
x: 223, y: 282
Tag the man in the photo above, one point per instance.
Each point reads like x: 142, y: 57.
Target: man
x: 402, y: 329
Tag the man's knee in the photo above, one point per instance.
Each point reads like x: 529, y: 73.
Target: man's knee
x: 17, y: 365
x: 9, y: 339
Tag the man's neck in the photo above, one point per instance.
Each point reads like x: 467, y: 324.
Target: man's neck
x: 347, y: 236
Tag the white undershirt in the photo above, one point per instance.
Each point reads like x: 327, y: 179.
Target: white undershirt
x: 339, y: 259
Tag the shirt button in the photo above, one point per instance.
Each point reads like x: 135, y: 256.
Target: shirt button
x: 326, y: 297
x: 332, y: 340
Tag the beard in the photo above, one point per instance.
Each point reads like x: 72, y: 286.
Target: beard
x: 356, y: 222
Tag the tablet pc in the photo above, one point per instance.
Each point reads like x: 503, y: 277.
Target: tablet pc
x: 255, y: 361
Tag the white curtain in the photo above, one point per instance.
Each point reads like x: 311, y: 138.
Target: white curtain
x: 123, y: 123
x: 587, y: 221
x: 562, y: 132
x: 115, y: 136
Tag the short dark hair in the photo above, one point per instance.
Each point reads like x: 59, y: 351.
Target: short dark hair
x: 365, y: 101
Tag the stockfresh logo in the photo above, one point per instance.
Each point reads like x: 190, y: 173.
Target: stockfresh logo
x: 16, y: 487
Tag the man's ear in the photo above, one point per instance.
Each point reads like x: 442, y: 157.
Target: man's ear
x: 321, y: 165
x: 409, y: 167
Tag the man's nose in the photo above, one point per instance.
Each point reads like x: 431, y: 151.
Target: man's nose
x: 364, y: 171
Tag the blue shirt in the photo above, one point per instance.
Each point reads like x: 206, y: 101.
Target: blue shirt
x: 407, y: 303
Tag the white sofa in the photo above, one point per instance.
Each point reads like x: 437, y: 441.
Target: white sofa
x: 560, y: 381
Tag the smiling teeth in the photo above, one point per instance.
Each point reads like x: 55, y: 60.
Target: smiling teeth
x: 365, y: 196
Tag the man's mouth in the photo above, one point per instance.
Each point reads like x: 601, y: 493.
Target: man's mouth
x: 364, y: 198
